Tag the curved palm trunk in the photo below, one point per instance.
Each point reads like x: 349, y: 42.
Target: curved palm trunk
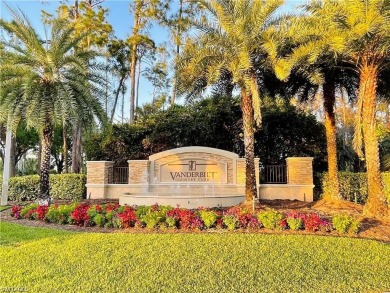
x: 329, y: 93
x: 249, y: 145
x: 375, y: 205
x: 46, y: 142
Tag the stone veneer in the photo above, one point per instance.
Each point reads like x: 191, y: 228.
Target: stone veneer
x: 98, y: 172
x: 139, y: 171
x: 300, y: 170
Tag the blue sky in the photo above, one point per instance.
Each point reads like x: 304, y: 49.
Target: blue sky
x: 119, y: 17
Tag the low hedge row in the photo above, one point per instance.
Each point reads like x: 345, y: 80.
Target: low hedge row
x: 353, y: 186
x: 162, y: 217
x: 62, y: 186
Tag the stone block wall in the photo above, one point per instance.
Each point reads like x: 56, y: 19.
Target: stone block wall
x: 139, y: 171
x: 98, y: 172
x: 241, y: 171
x: 300, y: 171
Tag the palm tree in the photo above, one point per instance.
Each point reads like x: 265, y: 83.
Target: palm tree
x: 358, y: 31
x: 46, y: 84
x: 324, y: 74
x: 234, y: 37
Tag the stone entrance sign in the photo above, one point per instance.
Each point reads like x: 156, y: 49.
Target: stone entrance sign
x: 194, y: 165
x: 193, y: 170
x: 192, y: 177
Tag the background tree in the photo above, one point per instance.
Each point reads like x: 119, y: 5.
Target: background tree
x: 89, y: 20
x: 46, y: 84
x: 144, y: 12
x: 179, y: 24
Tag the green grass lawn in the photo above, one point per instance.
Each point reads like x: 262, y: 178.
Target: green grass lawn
x: 48, y: 260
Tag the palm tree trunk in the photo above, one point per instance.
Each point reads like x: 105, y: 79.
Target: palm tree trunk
x: 76, y: 148
x: 249, y: 145
x: 64, y: 148
x: 329, y: 93
x: 13, y: 158
x: 376, y: 202
x: 47, y: 134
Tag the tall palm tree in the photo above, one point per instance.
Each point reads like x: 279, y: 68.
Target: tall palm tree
x: 46, y: 84
x: 358, y: 31
x: 325, y: 74
x: 235, y: 35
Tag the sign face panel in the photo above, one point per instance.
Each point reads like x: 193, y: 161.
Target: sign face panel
x: 194, y: 170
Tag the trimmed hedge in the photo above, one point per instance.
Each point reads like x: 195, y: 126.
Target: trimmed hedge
x: 62, y: 186
x: 353, y: 186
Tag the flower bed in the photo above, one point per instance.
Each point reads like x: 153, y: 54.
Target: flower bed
x: 159, y: 217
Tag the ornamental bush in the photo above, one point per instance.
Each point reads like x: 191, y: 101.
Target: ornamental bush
x: 346, y: 224
x: 270, y: 219
x: 295, y: 220
x: 62, y: 186
x: 208, y: 217
x: 230, y: 221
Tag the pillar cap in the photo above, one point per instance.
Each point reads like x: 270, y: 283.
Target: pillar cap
x: 299, y: 159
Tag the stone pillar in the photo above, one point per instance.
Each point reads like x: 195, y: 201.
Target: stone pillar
x: 139, y: 171
x: 241, y: 171
x: 257, y: 168
x: 99, y: 174
x: 300, y: 178
x: 300, y: 170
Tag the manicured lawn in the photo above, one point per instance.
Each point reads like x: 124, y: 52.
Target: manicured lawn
x: 46, y: 260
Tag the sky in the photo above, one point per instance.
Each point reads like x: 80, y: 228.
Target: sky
x: 119, y: 17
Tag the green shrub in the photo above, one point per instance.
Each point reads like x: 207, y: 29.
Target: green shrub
x: 171, y: 222
x: 141, y: 211
x: 99, y: 220
x: 65, y: 212
x: 62, y: 186
x: 270, y: 218
x: 52, y: 214
x: 353, y: 186
x: 24, y: 188
x: 230, y: 221
x: 295, y: 223
x: 346, y: 224
x: 208, y: 217
x: 28, y: 208
x: 151, y: 219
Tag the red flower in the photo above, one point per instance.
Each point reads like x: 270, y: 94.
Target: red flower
x: 15, y: 211
x: 41, y: 212
x: 80, y: 215
x: 128, y: 217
